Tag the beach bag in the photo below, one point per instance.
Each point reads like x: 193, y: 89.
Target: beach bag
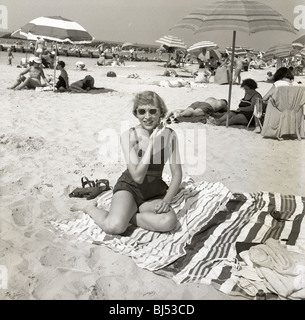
x: 111, y: 74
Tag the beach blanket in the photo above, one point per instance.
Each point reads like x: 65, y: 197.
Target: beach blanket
x: 202, y: 119
x: 202, y: 248
x: 92, y: 91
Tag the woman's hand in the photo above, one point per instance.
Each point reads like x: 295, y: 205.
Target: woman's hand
x: 156, y: 138
x: 162, y: 207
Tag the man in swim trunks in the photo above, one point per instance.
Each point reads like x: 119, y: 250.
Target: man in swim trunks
x: 199, y: 108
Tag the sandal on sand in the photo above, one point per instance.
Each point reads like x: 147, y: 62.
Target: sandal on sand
x: 90, y: 189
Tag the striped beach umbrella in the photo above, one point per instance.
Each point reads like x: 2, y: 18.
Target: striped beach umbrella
x: 300, y: 40
x: 297, y: 45
x: 171, y: 42
x: 57, y: 29
x: 198, y: 46
x: 238, y: 50
x: 279, y: 51
x: 236, y: 15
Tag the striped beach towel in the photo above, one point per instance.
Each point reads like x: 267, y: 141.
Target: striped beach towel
x: 202, y: 248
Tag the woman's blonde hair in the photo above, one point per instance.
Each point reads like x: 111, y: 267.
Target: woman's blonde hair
x: 151, y: 98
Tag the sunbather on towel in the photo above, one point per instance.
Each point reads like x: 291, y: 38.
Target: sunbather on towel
x: 140, y: 196
x: 207, y: 108
x: 83, y: 85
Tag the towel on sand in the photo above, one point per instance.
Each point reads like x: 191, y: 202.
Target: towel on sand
x: 202, y: 248
x: 283, y: 271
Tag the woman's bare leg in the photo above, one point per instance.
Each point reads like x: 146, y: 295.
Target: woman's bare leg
x: 123, y: 208
x: 148, y: 219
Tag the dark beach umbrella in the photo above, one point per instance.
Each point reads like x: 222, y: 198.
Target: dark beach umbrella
x: 236, y: 15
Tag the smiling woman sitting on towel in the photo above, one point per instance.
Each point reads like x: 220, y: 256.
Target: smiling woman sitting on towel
x: 199, y: 108
x: 141, y: 196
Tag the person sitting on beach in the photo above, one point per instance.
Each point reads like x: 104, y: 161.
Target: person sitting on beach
x: 282, y: 77
x: 101, y: 60
x: 203, y: 76
x: 34, y: 80
x: 208, y: 107
x: 48, y: 59
x: 269, y: 77
x: 172, y: 63
x: 83, y: 85
x: 140, y: 196
x: 245, y: 108
x: 63, y: 79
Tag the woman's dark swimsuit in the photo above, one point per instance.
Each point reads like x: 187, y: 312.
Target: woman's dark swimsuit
x: 153, y: 187
x: 246, y: 103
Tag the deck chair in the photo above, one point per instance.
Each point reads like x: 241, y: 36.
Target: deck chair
x: 257, y: 112
x: 285, y: 113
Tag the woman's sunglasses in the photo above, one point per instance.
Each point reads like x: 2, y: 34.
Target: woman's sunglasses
x: 141, y: 112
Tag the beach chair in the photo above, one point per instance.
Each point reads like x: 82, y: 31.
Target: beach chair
x: 257, y: 113
x: 285, y: 113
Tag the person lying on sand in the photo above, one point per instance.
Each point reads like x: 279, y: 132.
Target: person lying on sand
x: 208, y: 107
x: 140, y: 196
x: 34, y: 80
x: 83, y: 85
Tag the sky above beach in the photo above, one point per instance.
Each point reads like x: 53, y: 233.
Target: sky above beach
x: 145, y: 21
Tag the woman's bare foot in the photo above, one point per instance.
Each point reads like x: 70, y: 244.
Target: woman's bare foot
x: 83, y: 206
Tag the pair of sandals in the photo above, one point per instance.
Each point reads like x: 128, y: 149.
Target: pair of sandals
x: 90, y: 189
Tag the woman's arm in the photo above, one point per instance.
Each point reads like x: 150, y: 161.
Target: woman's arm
x: 269, y: 93
x: 43, y: 76
x: 176, y: 172
x: 24, y: 72
x: 136, y: 166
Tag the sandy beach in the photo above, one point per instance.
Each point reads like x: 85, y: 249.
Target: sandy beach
x: 50, y: 140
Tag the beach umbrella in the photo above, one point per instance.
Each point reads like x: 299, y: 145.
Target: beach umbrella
x: 207, y: 48
x: 237, y: 50
x: 297, y: 45
x: 235, y: 15
x: 279, y: 51
x: 205, y: 45
x: 58, y: 29
x: 300, y: 40
x: 128, y: 45
x: 170, y: 44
